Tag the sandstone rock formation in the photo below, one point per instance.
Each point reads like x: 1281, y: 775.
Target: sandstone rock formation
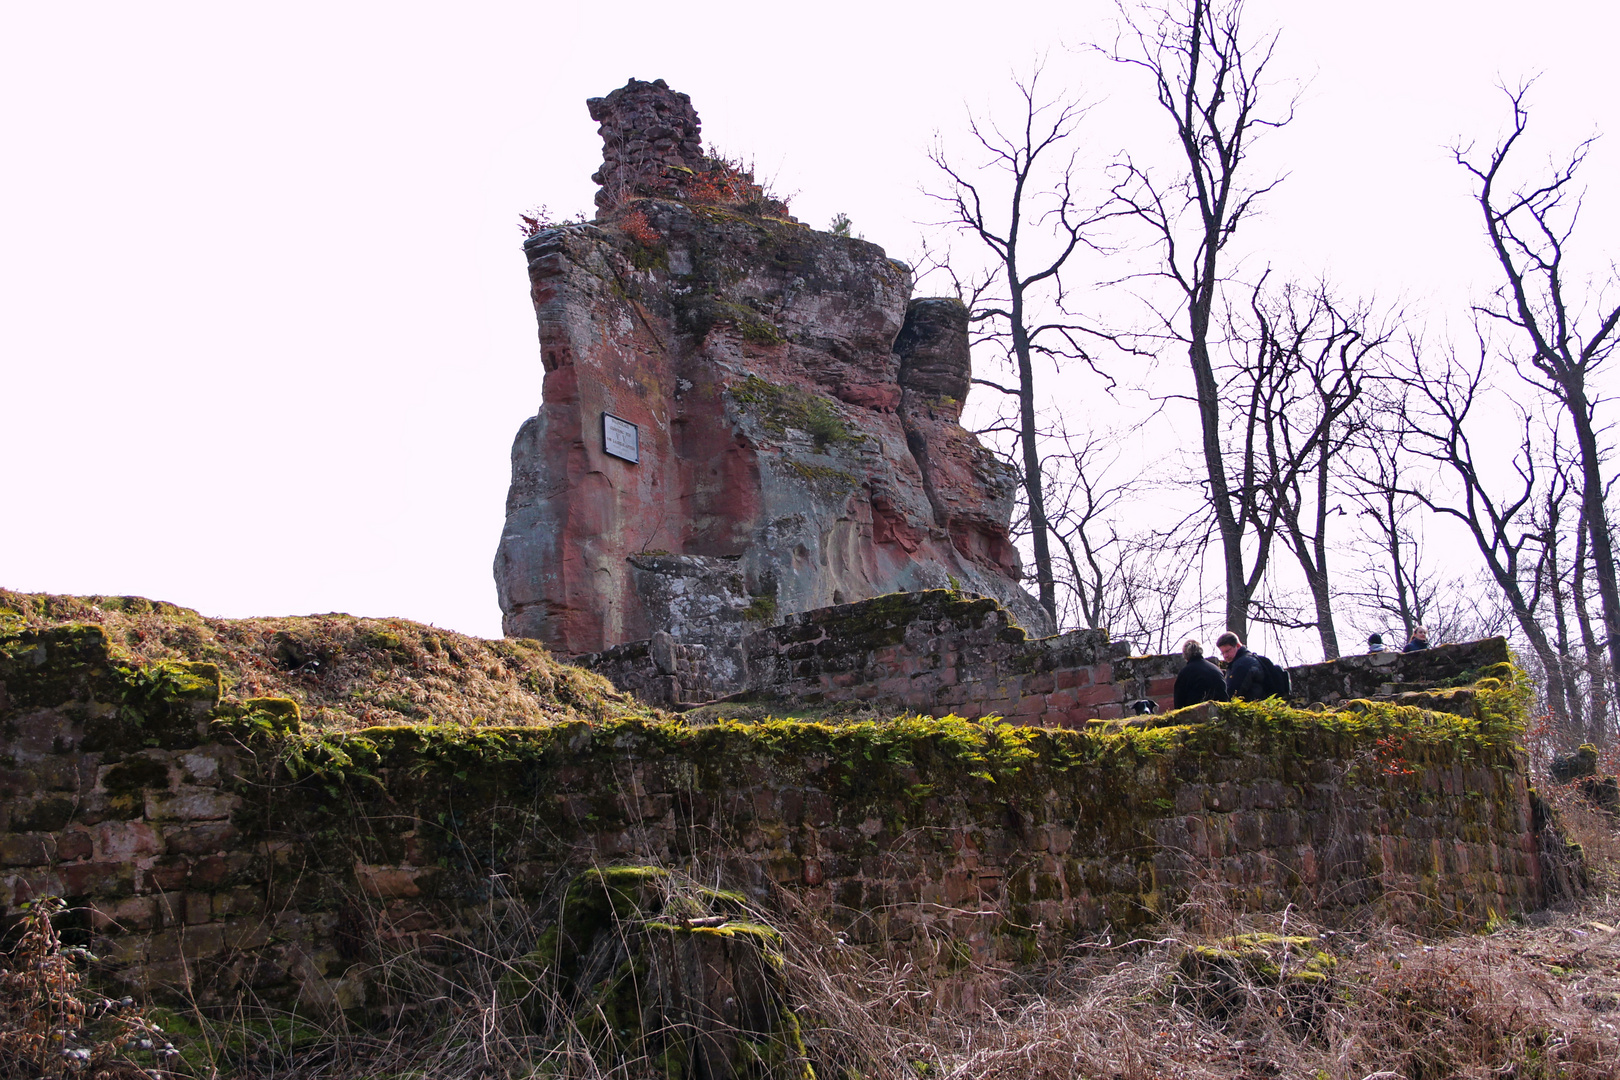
x: 795, y: 415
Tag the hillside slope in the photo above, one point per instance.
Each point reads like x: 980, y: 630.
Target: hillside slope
x: 345, y: 672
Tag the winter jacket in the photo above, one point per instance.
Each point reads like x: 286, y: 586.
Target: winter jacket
x: 1244, y: 676
x: 1415, y: 644
x: 1199, y: 681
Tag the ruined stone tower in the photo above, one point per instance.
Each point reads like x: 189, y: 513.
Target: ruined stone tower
x: 741, y: 417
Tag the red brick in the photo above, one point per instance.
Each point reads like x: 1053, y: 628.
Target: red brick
x: 74, y: 845
x: 170, y: 874
x: 1030, y: 706
x: 98, y: 879
x: 1063, y: 699
x: 1069, y: 678
x: 1093, y: 696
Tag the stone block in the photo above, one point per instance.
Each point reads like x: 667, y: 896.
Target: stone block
x: 125, y: 840
x: 200, y: 767
x: 27, y: 849
x: 387, y: 882
x: 1072, y: 678
x: 165, y: 945
x: 44, y: 813
x: 133, y: 913
x: 198, y: 908
x: 204, y: 839
x: 98, y: 879
x: 168, y: 874
x: 74, y: 844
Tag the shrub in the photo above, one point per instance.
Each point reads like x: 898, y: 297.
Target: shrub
x: 52, y: 1025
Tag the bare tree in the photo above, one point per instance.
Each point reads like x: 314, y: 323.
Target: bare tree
x: 1564, y: 336
x: 1019, y: 202
x: 1208, y: 77
x: 1113, y: 572
x: 1438, y: 402
x: 1394, y: 579
x: 1303, y: 378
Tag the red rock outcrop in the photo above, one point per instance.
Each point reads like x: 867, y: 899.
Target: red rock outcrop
x: 796, y: 415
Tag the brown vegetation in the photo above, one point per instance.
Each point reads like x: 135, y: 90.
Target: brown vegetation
x: 345, y: 672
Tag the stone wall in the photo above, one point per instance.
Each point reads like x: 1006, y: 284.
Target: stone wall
x: 939, y: 653
x: 1369, y: 675
x: 212, y: 851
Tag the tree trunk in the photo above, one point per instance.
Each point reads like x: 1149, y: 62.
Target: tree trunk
x: 1597, y: 521
x: 1227, y: 522
x: 1597, y: 717
x: 1032, y: 453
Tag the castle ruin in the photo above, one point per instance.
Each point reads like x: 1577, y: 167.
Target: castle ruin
x: 743, y: 418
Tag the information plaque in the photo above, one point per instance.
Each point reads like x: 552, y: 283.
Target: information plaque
x: 620, y: 438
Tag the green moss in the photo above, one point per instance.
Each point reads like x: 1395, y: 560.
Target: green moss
x: 782, y: 407
x: 384, y: 640
x: 271, y: 716
x: 832, y: 480
x: 1263, y: 959
x: 761, y: 609
x: 646, y: 258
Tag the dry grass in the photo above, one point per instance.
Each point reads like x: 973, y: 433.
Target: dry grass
x: 347, y: 673
x: 1535, y: 1000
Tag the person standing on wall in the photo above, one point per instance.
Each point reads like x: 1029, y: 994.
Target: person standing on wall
x: 1244, y: 678
x: 1199, y: 680
x: 1420, y: 640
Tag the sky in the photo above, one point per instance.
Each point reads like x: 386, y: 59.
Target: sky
x: 265, y: 335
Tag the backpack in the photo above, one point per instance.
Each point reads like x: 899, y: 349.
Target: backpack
x: 1274, y: 681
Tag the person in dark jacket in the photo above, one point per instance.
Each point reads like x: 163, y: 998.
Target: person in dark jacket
x: 1420, y: 640
x: 1244, y: 676
x: 1199, y: 680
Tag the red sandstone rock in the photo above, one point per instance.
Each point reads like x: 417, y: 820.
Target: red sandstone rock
x: 797, y: 416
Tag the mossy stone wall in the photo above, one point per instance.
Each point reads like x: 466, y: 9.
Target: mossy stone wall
x: 215, y: 852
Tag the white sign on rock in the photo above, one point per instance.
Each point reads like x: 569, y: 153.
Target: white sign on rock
x: 620, y: 438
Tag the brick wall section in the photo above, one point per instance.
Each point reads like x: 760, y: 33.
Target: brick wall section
x: 937, y: 653
x: 659, y: 671
x: 111, y: 796
x: 934, y: 653
x: 1375, y: 675
x: 203, y: 868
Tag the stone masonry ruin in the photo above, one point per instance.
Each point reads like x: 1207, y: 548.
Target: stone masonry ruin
x: 747, y: 485
x: 742, y: 419
x: 205, y: 869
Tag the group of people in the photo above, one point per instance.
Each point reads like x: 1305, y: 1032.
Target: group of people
x: 1248, y: 675
x: 1418, y: 640
x: 1200, y: 680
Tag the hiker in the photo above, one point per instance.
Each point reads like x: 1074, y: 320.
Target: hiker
x: 1250, y: 675
x: 1199, y: 680
x: 1420, y: 640
x: 1375, y: 643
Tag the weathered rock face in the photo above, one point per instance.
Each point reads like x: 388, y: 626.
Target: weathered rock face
x: 796, y: 415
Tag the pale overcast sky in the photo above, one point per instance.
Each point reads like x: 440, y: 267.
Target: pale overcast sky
x: 265, y: 335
